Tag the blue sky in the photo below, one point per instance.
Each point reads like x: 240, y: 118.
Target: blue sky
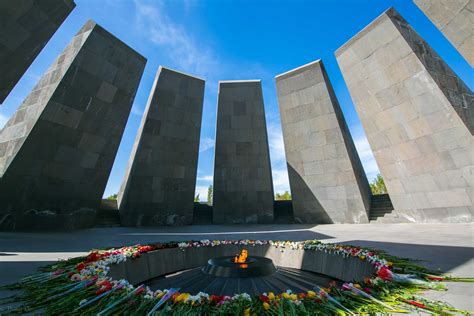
x: 223, y: 40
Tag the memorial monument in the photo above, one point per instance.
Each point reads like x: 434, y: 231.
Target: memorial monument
x: 327, y: 180
x: 159, y: 184
x: 243, y: 191
x: 57, y: 150
x: 26, y: 26
x: 419, y: 119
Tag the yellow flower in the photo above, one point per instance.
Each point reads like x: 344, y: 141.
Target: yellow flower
x: 311, y: 294
x: 390, y: 264
x: 160, y: 294
x: 266, y: 306
x: 357, y: 286
x: 247, y: 312
x: 362, y: 257
x: 293, y: 297
x: 285, y: 295
x: 182, y: 297
x: 271, y: 296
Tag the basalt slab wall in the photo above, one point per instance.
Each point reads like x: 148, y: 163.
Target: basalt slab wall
x: 418, y: 117
x: 57, y: 150
x: 164, y: 261
x: 159, y: 185
x: 328, y: 183
x: 455, y: 19
x: 26, y: 27
x: 243, y: 191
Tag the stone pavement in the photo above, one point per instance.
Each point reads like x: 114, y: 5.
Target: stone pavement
x: 449, y: 247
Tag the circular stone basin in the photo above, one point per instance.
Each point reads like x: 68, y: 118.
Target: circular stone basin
x: 225, y: 267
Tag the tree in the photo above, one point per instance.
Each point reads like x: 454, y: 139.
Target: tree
x: 209, y: 195
x: 112, y: 197
x: 196, y: 198
x: 283, y: 197
x: 378, y: 185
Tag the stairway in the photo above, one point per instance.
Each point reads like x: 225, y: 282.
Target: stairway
x: 380, y: 207
x: 283, y: 212
x: 202, y: 214
x: 108, y: 214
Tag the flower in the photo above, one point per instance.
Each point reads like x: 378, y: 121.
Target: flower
x: 266, y: 306
x: 80, y: 266
x: 385, y: 274
x: 271, y: 296
x: 311, y: 294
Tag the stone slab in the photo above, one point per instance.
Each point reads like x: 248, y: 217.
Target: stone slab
x: 243, y: 191
x: 327, y: 180
x: 419, y: 119
x: 159, y: 184
x: 455, y: 19
x: 59, y: 146
x: 27, y: 25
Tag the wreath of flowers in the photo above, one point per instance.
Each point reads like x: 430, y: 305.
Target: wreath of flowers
x: 81, y: 286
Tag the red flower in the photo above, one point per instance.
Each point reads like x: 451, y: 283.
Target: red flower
x: 367, y: 290
x: 301, y: 296
x: 264, y: 298
x: 216, y: 298
x: 384, y: 273
x: 434, y: 278
x: 80, y: 266
x: 139, y: 291
x: 104, y: 286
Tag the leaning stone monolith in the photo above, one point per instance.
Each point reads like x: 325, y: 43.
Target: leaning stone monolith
x: 26, y: 26
x: 327, y: 181
x: 419, y: 119
x: 455, y: 19
x: 57, y: 150
x: 159, y: 184
x: 243, y: 191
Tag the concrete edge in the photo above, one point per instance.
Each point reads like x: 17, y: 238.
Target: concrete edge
x: 296, y: 70
x: 180, y: 72
x: 364, y: 31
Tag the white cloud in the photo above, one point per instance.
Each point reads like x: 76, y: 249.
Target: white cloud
x: 366, y: 156
x: 3, y: 120
x: 202, y: 191
x: 183, y: 49
x: 275, y: 141
x: 277, y: 154
x: 205, y: 144
x: 280, y: 180
x: 208, y: 178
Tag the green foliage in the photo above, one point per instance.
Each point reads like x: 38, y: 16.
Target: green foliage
x: 378, y: 185
x: 283, y: 197
x: 196, y: 198
x: 112, y: 197
x: 209, y: 195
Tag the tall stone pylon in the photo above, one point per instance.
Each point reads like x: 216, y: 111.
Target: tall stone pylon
x: 327, y: 180
x: 243, y: 191
x: 26, y: 26
x: 160, y: 181
x: 57, y: 150
x: 419, y: 119
x: 455, y: 19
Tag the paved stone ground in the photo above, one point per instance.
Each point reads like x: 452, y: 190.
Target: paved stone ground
x: 449, y: 247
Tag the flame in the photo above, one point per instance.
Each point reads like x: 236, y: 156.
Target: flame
x: 242, y: 258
